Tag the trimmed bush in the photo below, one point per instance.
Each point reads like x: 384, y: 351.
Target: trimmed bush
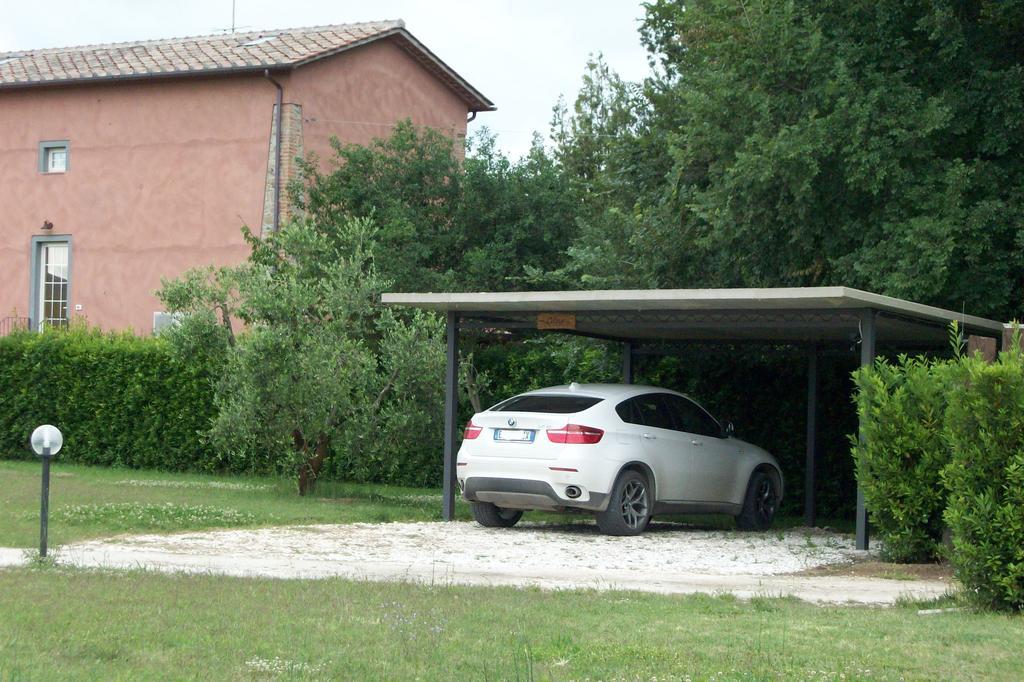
x: 985, y: 479
x: 899, y: 464
x: 118, y: 399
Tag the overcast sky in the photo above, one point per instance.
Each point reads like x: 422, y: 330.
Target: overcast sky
x: 520, y: 53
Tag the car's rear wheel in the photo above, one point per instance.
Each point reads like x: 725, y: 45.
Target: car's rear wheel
x: 630, y: 506
x: 759, y: 504
x: 492, y: 516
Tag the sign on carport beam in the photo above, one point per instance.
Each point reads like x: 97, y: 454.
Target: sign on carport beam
x: 556, y: 320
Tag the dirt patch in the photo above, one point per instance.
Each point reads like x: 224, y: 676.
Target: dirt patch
x: 881, y: 569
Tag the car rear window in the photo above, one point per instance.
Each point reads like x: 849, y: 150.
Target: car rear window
x: 552, y: 404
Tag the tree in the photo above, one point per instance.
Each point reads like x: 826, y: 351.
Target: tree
x: 610, y: 161
x: 410, y: 185
x: 320, y: 365
x: 447, y: 224
x: 873, y: 143
x: 516, y: 218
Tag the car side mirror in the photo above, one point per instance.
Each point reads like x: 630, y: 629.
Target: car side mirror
x: 729, y: 429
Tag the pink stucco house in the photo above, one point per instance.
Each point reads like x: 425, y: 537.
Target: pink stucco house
x: 123, y: 163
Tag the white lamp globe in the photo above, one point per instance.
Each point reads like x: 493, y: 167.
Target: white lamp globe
x: 47, y: 436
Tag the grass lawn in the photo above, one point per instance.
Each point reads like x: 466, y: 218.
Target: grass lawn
x: 79, y: 624
x: 72, y: 624
x: 88, y: 502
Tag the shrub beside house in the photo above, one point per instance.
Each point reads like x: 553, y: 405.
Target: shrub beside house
x: 120, y: 400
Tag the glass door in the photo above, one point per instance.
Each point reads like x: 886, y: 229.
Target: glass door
x: 53, y: 285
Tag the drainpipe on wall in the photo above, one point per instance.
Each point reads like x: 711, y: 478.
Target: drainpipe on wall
x: 277, y: 148
x: 472, y: 117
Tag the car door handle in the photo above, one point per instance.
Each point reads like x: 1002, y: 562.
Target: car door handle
x: 696, y: 442
x: 649, y: 436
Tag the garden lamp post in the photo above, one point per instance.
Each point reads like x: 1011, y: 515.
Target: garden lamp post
x: 46, y: 441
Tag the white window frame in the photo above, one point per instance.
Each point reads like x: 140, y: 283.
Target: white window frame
x: 52, y: 155
x: 46, y: 156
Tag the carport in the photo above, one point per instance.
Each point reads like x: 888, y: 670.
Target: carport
x: 810, y: 318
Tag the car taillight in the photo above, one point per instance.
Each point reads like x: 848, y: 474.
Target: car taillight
x: 471, y: 431
x: 574, y: 433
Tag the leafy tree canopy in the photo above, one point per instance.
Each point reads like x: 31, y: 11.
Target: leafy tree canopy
x: 872, y: 143
x: 447, y: 224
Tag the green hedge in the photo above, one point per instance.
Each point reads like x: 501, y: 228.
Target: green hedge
x: 945, y: 443
x: 899, y: 463
x: 118, y: 399
x: 985, y: 479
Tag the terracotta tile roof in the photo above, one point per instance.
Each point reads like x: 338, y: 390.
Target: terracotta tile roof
x: 217, y: 54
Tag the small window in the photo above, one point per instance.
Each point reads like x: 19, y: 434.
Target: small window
x: 56, y: 160
x: 163, y: 321
x: 54, y: 156
x: 549, y: 404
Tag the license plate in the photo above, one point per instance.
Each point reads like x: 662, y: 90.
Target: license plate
x: 514, y: 435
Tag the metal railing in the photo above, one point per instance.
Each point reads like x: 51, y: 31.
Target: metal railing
x: 12, y: 324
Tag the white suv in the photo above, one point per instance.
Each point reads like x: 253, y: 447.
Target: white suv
x: 623, y: 452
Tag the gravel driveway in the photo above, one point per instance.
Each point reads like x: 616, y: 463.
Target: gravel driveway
x: 669, y: 558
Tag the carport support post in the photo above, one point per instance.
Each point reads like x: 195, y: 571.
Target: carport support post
x: 627, y: 362
x: 812, y: 436
x: 451, y: 415
x: 867, y: 358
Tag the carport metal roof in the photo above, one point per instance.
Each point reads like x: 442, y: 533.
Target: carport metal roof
x: 780, y: 315
x: 806, y: 316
